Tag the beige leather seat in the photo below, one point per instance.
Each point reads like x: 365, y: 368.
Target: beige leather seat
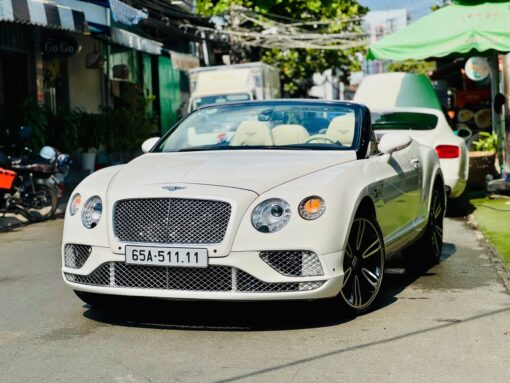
x: 341, y: 129
x: 289, y: 134
x: 252, y: 133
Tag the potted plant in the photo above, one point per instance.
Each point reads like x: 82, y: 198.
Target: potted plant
x: 482, y: 159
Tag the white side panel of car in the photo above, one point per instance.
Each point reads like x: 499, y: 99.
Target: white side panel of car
x: 455, y: 170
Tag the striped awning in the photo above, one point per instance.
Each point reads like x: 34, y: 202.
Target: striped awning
x: 44, y: 13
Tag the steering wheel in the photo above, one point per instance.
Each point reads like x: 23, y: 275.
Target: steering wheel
x: 319, y: 137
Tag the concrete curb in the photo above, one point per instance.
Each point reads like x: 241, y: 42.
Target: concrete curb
x: 501, y: 269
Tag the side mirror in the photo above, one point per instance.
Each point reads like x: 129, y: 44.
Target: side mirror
x: 149, y: 144
x: 391, y: 142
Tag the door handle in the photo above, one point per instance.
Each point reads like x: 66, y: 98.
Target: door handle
x: 415, y: 162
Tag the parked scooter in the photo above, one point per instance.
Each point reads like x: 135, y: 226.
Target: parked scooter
x: 31, y: 184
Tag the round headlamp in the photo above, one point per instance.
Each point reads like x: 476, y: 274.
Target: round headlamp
x: 91, y: 213
x: 271, y: 215
x: 75, y: 204
x: 312, y: 208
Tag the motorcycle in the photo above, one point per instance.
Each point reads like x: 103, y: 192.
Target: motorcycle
x: 30, y: 184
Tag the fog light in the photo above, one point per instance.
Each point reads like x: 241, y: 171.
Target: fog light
x: 310, y: 265
x: 307, y: 286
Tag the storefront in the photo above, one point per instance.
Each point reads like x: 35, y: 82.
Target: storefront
x: 29, y: 70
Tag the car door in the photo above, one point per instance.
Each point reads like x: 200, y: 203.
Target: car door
x: 397, y: 193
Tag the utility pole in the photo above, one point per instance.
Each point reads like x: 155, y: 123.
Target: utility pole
x: 234, y: 25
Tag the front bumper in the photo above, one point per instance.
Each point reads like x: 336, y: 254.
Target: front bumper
x: 240, y: 276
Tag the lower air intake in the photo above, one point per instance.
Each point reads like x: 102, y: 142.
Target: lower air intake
x: 293, y: 263
x: 212, y: 278
x: 75, y: 256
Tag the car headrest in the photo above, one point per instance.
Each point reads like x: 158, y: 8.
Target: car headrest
x: 252, y: 133
x: 342, y: 129
x: 289, y: 134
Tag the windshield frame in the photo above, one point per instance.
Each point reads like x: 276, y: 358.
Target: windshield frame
x: 194, y: 98
x: 362, y: 116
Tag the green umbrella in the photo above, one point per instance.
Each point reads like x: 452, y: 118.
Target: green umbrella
x: 458, y: 28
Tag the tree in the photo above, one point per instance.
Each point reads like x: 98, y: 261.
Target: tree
x: 412, y: 66
x: 298, y: 65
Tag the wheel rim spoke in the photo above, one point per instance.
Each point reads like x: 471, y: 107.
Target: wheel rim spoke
x: 361, y: 231
x: 370, y: 251
x: 348, y: 251
x: 437, y: 208
x: 370, y: 277
x: 347, y: 275
x: 438, y: 229
x: 356, y: 292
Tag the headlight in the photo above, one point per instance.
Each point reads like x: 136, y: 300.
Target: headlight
x: 75, y: 204
x: 271, y: 215
x: 312, y: 207
x: 91, y: 213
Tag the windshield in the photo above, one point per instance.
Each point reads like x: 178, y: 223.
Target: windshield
x: 219, y: 99
x: 265, y: 126
x: 404, y: 121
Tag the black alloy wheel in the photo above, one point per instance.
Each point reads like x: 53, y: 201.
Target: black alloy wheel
x: 426, y: 252
x: 435, y: 227
x: 363, y: 265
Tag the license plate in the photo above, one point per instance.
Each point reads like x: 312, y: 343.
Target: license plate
x: 166, y: 256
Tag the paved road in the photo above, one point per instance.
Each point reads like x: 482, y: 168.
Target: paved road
x: 450, y: 325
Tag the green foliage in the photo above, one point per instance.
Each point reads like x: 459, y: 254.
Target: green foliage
x: 488, y: 142
x: 119, y: 129
x: 298, y: 65
x: 412, y: 66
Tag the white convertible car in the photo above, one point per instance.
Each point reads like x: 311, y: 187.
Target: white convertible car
x: 429, y: 127
x: 248, y: 201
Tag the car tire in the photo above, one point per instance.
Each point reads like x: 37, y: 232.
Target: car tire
x: 426, y: 252
x: 458, y: 207
x: 363, y: 265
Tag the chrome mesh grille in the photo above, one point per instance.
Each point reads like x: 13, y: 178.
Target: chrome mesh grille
x: 75, y: 256
x: 171, y: 220
x: 99, y: 277
x: 248, y: 283
x: 212, y: 278
x: 293, y: 263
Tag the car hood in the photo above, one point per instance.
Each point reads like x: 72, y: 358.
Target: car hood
x: 254, y: 170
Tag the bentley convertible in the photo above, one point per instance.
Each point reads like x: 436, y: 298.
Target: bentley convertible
x: 259, y: 200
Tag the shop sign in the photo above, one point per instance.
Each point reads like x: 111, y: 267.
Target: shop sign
x: 58, y: 45
x: 477, y: 68
x: 183, y: 61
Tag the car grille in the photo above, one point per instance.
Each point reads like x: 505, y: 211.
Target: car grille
x: 293, y: 263
x: 171, y: 220
x: 75, y: 256
x: 212, y: 278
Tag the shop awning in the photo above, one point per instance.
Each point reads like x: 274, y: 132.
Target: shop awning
x: 134, y: 41
x: 43, y: 13
x: 457, y: 28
